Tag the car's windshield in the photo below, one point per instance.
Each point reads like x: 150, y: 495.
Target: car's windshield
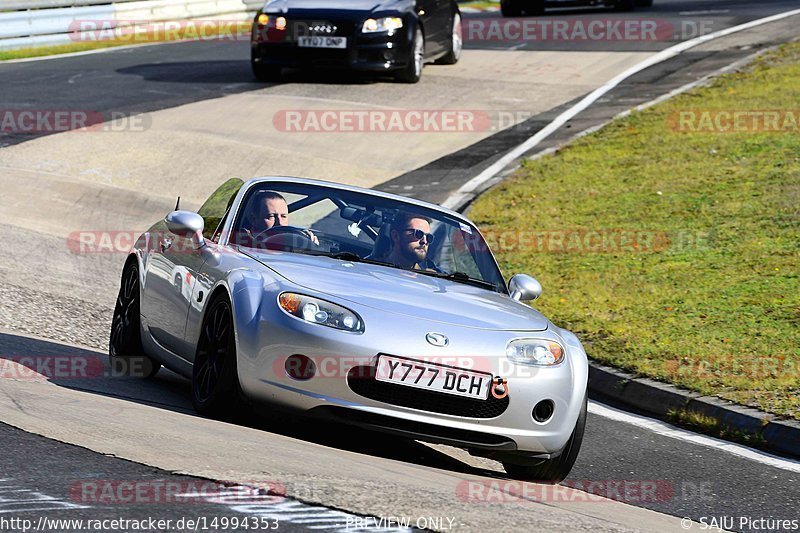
x: 354, y: 226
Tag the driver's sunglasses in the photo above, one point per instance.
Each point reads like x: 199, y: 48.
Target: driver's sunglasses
x: 419, y: 234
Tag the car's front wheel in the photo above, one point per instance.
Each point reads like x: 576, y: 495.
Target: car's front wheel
x: 553, y: 470
x: 125, y: 350
x: 215, y: 380
x: 412, y: 72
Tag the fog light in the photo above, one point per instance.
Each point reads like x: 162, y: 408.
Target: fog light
x: 543, y: 411
x: 300, y: 367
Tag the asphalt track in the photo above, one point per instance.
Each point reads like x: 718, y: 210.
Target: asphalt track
x: 355, y: 471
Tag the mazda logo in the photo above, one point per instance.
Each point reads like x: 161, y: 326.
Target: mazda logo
x: 437, y: 339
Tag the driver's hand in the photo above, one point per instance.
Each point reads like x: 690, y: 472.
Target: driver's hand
x: 312, y: 237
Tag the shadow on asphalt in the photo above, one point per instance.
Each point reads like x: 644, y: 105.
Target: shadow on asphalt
x: 88, y: 371
x: 239, y: 72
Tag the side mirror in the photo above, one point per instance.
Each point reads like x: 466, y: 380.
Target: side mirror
x: 186, y: 224
x: 524, y: 287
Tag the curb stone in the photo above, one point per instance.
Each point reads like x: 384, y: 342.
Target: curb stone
x: 658, y: 399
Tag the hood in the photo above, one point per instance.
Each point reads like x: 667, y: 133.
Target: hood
x: 339, y: 5
x: 405, y: 293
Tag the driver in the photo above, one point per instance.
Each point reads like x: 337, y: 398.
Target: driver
x: 272, y: 210
x: 411, y: 236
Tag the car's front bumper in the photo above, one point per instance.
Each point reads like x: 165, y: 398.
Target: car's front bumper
x: 378, y: 52
x: 339, y: 356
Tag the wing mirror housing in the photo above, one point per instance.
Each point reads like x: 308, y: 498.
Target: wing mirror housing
x: 186, y: 224
x: 524, y: 288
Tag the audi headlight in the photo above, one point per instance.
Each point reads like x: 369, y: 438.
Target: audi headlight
x: 538, y: 352
x: 382, y: 24
x: 320, y: 312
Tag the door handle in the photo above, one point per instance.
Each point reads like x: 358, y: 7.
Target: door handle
x: 166, y: 244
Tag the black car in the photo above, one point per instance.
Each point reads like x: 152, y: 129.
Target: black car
x: 515, y: 8
x: 392, y: 36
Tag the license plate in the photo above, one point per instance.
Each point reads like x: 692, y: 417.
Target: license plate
x: 322, y: 42
x: 429, y: 376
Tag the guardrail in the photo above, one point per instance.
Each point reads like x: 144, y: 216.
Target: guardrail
x: 31, y: 23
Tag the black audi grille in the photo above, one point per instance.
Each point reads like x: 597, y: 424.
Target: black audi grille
x: 361, y: 380
x: 322, y: 28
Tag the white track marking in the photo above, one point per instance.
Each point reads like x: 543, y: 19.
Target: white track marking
x: 667, y: 430
x: 466, y: 191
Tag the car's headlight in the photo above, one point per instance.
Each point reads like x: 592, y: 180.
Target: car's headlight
x: 271, y: 21
x: 320, y: 312
x: 539, y: 352
x: 382, y: 24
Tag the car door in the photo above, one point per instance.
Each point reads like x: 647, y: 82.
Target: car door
x: 444, y: 21
x: 430, y: 16
x: 170, y: 276
x: 172, y: 271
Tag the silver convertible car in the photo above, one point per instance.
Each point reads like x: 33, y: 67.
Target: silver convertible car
x: 358, y: 306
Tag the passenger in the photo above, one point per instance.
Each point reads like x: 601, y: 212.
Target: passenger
x: 411, y: 236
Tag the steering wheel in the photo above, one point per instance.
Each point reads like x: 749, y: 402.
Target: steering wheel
x: 273, y: 234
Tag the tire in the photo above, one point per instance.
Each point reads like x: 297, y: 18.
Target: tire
x: 125, y: 351
x: 215, y: 380
x: 624, y: 5
x: 511, y: 8
x: 515, y: 8
x: 266, y: 73
x: 554, y: 470
x: 412, y: 72
x: 456, y: 43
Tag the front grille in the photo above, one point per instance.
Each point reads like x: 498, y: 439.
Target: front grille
x: 321, y: 28
x: 361, y: 380
x: 417, y: 430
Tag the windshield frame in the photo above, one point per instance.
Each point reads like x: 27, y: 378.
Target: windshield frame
x: 328, y: 189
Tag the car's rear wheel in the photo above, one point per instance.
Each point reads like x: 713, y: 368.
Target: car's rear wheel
x: 266, y: 73
x: 412, y: 72
x: 215, y: 380
x: 456, y: 43
x: 125, y: 350
x: 624, y: 5
x: 515, y: 8
x: 554, y: 470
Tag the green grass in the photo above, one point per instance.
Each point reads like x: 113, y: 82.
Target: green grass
x: 24, y: 53
x: 712, y: 303
x: 713, y: 427
x: 241, y: 29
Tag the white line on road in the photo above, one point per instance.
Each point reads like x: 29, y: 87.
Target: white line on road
x: 468, y: 190
x: 667, y: 430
